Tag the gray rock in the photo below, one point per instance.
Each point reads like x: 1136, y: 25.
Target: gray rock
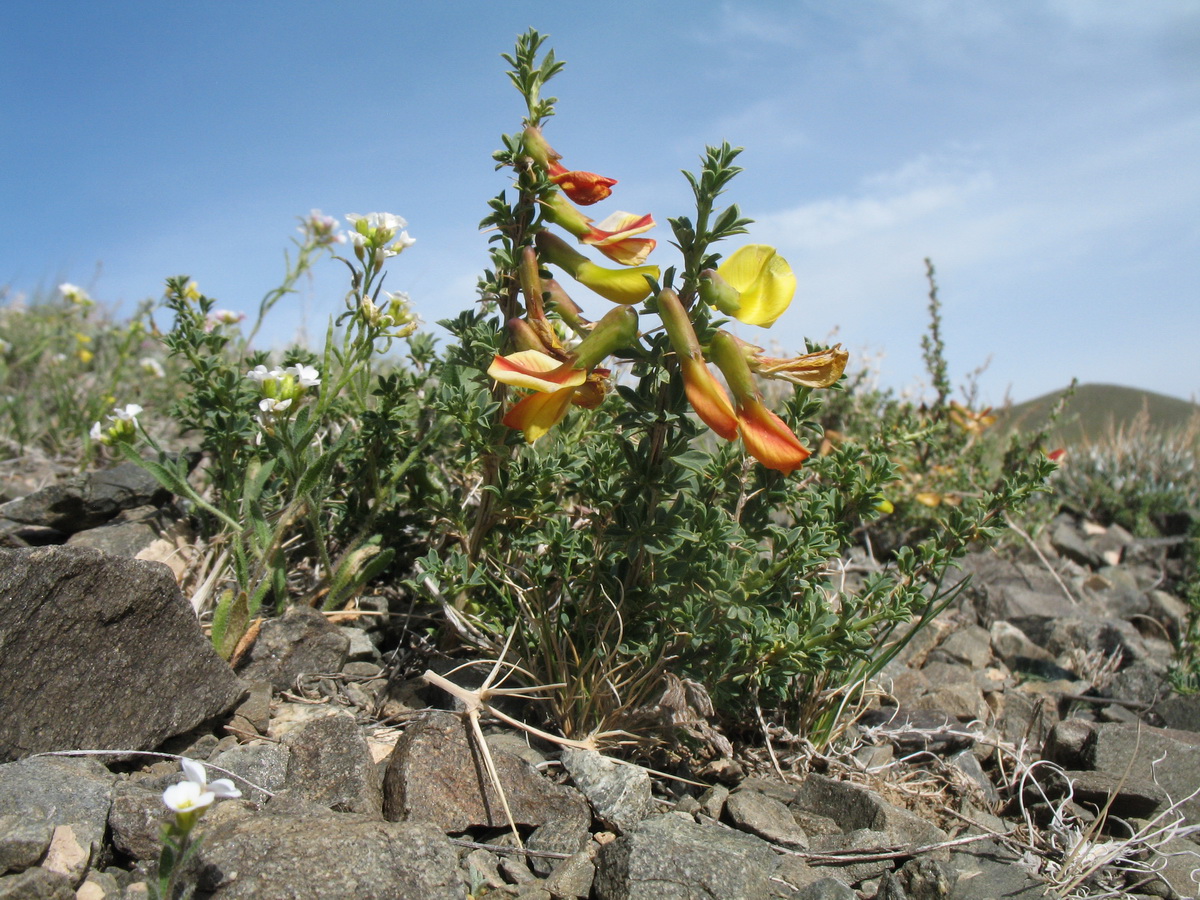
x: 330, y: 764
x: 262, y: 763
x: 1025, y: 716
x: 37, y: 884
x: 1180, y: 711
x: 1130, y: 797
x: 712, y: 801
x: 1069, y: 743
x: 987, y: 871
x: 23, y: 841
x: 669, y: 857
x: 1140, y: 683
x: 130, y: 533
x: 912, y: 729
x: 826, y: 888
x: 1010, y: 643
x: 100, y: 652
x: 136, y: 820
x: 318, y: 858
x: 572, y: 878
x: 253, y: 714
x: 99, y: 886
x: 59, y: 790
x: 1004, y: 589
x: 968, y: 764
x: 1118, y: 747
x: 971, y: 646
x: 1067, y: 541
x: 1178, y: 859
x: 85, y: 501
x: 619, y: 794
x: 1062, y: 634
x: 360, y: 648
x: 300, y: 642
x: 1168, y: 610
x: 766, y: 817
x: 794, y: 874
x: 856, y: 808
x: 435, y: 775
x: 860, y: 839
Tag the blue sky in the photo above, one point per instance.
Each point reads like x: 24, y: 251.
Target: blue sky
x: 1044, y: 153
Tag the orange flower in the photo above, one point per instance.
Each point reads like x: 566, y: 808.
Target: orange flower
x: 704, y: 392
x: 585, y: 188
x: 766, y: 436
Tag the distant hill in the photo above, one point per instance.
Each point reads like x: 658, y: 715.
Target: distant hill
x: 1097, y: 409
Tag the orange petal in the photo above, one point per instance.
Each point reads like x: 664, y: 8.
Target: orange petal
x: 585, y: 188
x: 708, y: 398
x: 538, y: 413
x: 536, y: 371
x: 769, y: 440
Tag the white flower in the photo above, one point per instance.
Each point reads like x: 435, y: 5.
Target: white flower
x: 306, y: 376
x: 271, y: 405
x: 97, y: 433
x: 321, y: 228
x: 222, y: 317
x: 126, y: 414
x: 403, y: 242
x: 377, y: 220
x: 151, y: 366
x: 261, y: 374
x: 195, y: 793
x: 75, y: 294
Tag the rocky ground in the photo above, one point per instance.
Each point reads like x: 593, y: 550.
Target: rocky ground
x: 1009, y: 745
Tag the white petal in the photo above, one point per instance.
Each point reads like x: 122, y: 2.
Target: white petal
x: 194, y: 771
x: 224, y: 788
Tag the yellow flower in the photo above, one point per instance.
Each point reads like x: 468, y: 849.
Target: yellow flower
x: 625, y: 286
x: 763, y: 280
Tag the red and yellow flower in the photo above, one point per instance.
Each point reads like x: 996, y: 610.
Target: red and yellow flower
x: 766, y: 436
x: 584, y: 188
x: 556, y: 384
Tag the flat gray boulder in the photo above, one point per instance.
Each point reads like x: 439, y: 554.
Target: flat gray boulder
x: 320, y: 857
x: 100, y: 652
x: 670, y: 857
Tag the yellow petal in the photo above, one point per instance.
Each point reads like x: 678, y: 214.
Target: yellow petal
x: 764, y: 280
x: 625, y: 286
x: 538, y: 413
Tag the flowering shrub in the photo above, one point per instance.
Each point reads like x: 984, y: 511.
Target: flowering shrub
x: 599, y: 467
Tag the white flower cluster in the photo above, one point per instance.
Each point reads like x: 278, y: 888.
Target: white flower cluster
x: 381, y: 234
x: 281, y: 387
x: 124, y: 421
